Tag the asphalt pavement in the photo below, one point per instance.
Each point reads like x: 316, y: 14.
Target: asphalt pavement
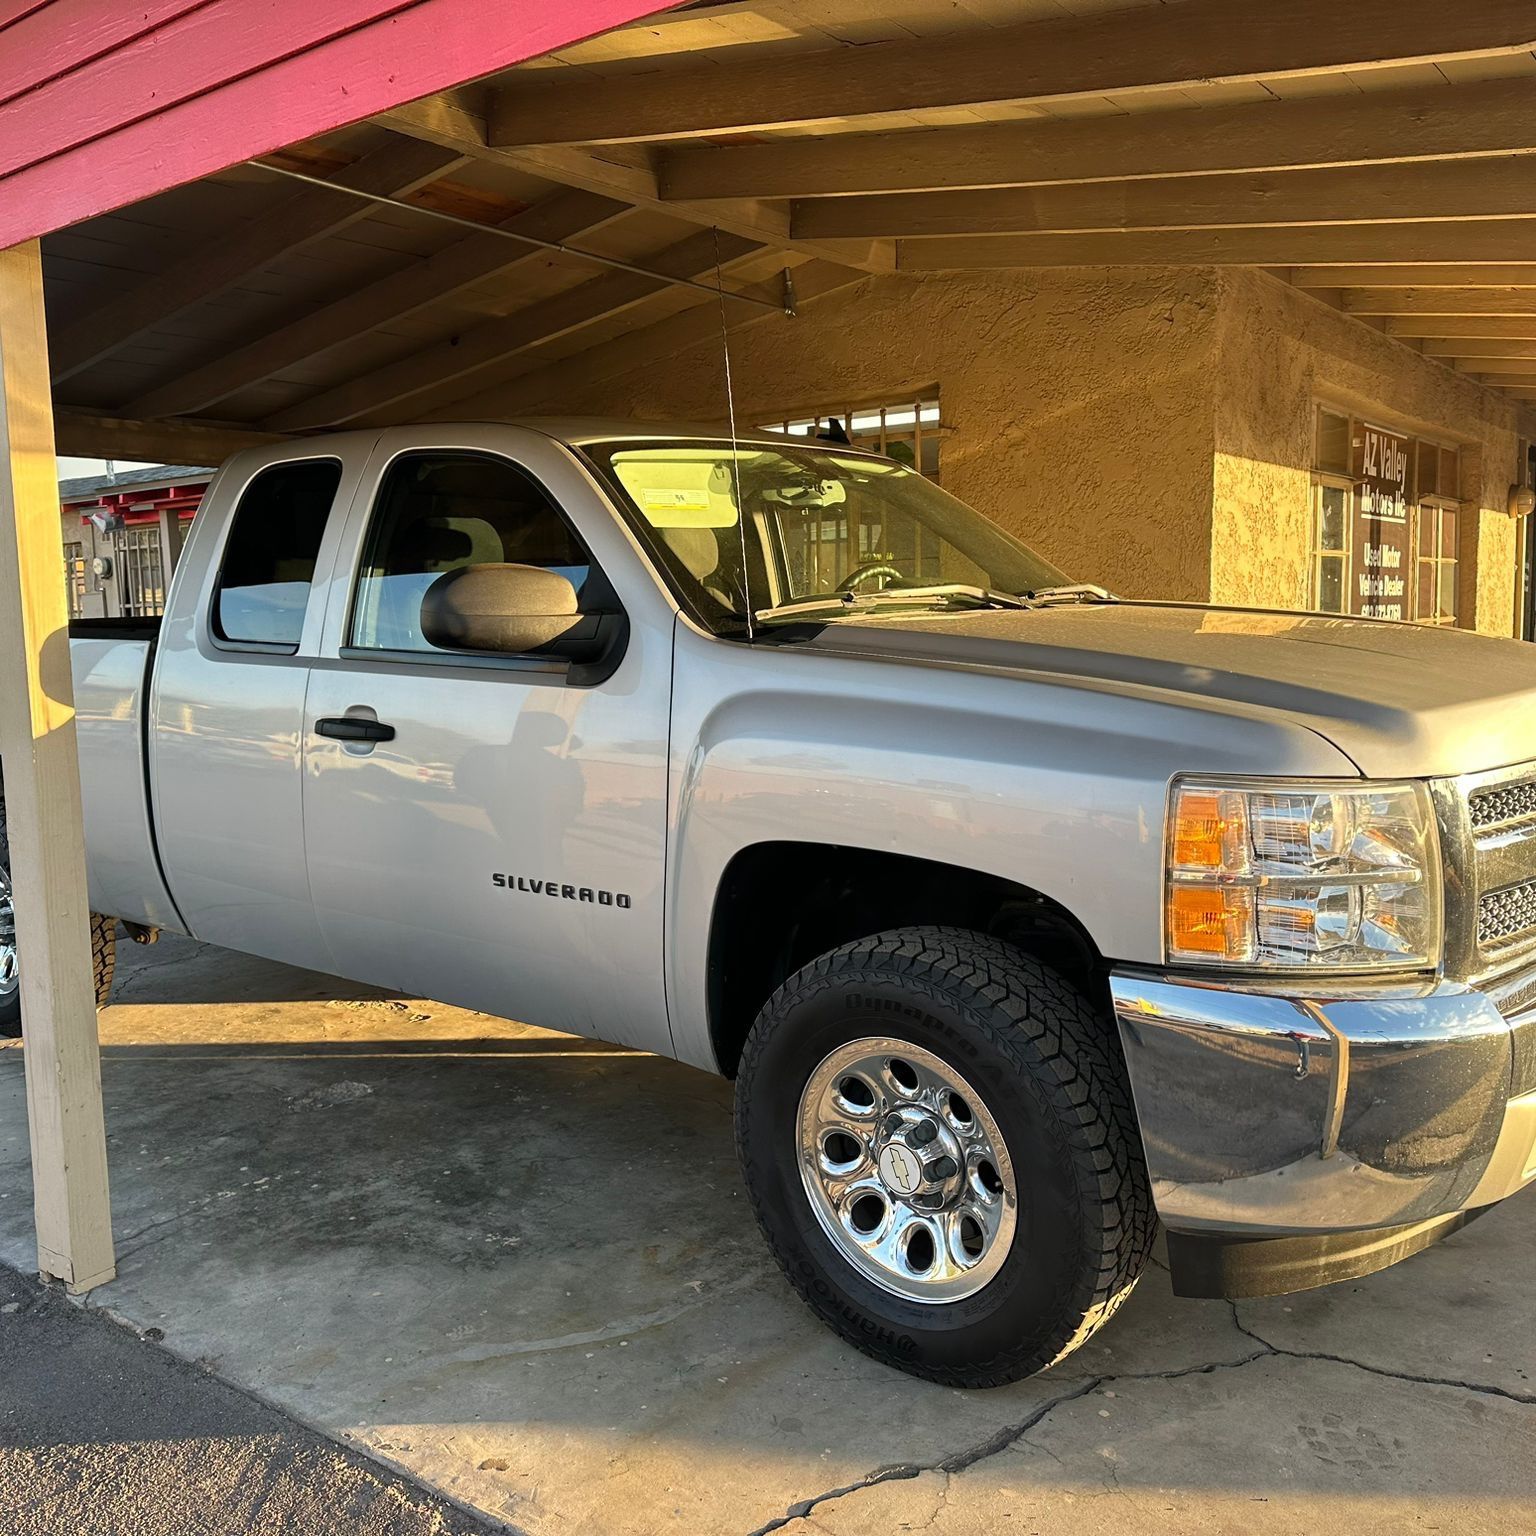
x: 103, y: 1433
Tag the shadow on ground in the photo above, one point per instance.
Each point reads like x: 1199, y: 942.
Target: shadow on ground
x: 521, y: 1266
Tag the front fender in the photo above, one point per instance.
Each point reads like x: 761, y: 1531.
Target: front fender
x: 1055, y: 786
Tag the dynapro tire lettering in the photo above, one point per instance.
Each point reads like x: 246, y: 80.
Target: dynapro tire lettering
x: 560, y: 891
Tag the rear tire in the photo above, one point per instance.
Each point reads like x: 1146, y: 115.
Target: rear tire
x: 103, y: 947
x: 1071, y: 1209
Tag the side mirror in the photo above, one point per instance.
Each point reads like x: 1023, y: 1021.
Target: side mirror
x: 511, y: 610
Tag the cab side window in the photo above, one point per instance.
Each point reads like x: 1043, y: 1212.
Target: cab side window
x: 269, y: 559
x: 438, y: 512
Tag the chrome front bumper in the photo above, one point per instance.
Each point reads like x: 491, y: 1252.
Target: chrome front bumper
x: 1265, y: 1113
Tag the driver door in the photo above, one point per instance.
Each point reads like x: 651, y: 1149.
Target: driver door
x: 497, y: 837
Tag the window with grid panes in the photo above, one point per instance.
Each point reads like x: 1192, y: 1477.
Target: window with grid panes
x: 141, y: 577
x: 1351, y: 561
x: 74, y: 578
x: 904, y: 430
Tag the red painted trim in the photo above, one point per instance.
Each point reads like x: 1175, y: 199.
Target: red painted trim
x: 184, y: 58
x: 72, y: 34
x: 254, y: 107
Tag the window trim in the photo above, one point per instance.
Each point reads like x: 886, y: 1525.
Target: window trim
x: 210, y: 612
x: 553, y: 668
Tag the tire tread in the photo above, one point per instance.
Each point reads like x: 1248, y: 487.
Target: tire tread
x: 1057, y: 1042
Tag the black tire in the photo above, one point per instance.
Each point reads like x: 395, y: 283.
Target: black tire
x: 1045, y: 1063
x: 103, y: 949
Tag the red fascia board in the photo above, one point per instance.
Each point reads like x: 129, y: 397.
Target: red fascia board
x: 250, y: 95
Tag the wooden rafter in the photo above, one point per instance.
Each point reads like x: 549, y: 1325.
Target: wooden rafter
x: 473, y: 259
x: 1120, y: 53
x: 451, y: 121
x: 1461, y: 327
x: 1466, y: 351
x: 216, y: 264
x: 1495, y: 188
x: 1493, y: 274
x: 433, y: 369
x: 1508, y: 303
x: 165, y: 442
x: 1450, y: 123
x: 1296, y: 246
x: 568, y: 377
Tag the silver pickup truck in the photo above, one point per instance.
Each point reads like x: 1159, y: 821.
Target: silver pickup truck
x: 1025, y: 919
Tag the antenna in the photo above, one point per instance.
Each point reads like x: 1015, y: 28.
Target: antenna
x: 730, y: 401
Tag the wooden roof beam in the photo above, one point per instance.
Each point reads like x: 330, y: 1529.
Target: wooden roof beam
x: 1501, y: 368
x: 1491, y: 274
x: 1504, y: 303
x: 165, y: 442
x: 1462, y: 327
x: 216, y: 264
x: 1455, y: 122
x: 453, y: 121
x: 1120, y: 53
x: 537, y: 381
x: 1467, y: 350
x: 443, y: 364
x: 1296, y: 246
x: 1495, y: 188
x: 471, y: 260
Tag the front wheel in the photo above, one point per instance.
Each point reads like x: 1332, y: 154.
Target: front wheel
x: 938, y: 1140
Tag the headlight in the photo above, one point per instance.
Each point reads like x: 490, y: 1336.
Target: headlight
x: 1273, y: 875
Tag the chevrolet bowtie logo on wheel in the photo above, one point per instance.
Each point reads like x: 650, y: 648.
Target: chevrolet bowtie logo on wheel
x: 900, y: 1169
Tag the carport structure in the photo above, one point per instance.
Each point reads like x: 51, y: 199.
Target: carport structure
x: 259, y: 221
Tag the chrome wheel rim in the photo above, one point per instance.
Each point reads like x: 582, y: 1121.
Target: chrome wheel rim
x: 9, y: 975
x: 906, y: 1170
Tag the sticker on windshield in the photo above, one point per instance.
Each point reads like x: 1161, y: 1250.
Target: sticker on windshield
x: 694, y: 490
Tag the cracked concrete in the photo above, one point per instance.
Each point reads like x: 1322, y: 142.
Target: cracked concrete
x: 519, y: 1267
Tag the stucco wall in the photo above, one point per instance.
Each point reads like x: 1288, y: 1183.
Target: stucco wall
x: 1078, y: 403
x: 1280, y: 353
x: 1148, y: 428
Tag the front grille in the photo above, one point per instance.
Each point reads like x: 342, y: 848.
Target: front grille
x: 1503, y: 804
x: 1506, y: 914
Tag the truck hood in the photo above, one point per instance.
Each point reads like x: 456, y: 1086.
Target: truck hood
x: 1397, y: 699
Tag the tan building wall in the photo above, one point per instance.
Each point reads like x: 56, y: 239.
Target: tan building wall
x: 1079, y: 402
x: 1279, y: 354
x: 1147, y: 428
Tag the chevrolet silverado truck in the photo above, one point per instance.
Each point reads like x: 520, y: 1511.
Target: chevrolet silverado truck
x: 1026, y: 920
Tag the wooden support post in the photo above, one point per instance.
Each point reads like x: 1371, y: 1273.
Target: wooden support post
x: 42, y: 796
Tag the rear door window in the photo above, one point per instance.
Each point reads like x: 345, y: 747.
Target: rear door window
x: 438, y: 512
x: 269, y: 559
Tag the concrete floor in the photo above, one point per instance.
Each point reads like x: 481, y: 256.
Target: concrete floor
x: 519, y: 1267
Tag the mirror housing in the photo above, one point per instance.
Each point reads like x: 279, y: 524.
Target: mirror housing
x: 511, y: 610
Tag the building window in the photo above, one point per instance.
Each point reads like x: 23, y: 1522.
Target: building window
x: 140, y: 574
x: 74, y: 579
x: 1384, y: 522
x: 905, y: 430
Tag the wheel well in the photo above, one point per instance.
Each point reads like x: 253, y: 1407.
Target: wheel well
x: 781, y: 904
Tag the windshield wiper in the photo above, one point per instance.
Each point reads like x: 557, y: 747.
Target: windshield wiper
x: 1076, y: 592
x: 983, y: 597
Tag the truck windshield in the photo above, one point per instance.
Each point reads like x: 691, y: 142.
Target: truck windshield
x: 827, y: 531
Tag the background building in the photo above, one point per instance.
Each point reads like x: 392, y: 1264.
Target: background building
x: 122, y: 535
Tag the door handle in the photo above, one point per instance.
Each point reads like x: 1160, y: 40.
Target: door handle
x: 354, y: 728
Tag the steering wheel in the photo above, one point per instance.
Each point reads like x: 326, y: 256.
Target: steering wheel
x: 866, y: 572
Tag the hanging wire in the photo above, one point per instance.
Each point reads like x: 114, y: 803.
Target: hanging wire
x: 443, y: 216
x: 730, y: 402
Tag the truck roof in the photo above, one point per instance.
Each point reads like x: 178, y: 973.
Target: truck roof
x: 576, y: 430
